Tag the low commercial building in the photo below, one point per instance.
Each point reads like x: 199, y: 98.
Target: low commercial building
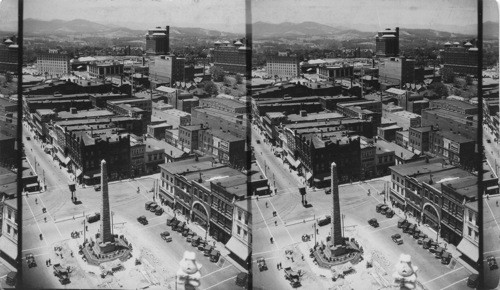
x: 282, y: 66
x: 8, y: 239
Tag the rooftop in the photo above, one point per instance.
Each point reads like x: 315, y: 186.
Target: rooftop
x: 314, y: 116
x: 191, y: 165
x: 417, y: 167
x: 399, y: 151
x: 465, y: 186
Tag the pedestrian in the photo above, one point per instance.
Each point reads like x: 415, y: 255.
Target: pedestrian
x: 257, y: 198
x: 497, y: 203
x: 45, y: 219
x: 276, y: 223
x: 47, y: 263
x: 278, y: 266
x: 281, y: 266
x: 317, y: 231
x: 50, y: 262
x: 302, y: 257
x: 266, y: 204
x: 271, y: 239
x: 292, y: 259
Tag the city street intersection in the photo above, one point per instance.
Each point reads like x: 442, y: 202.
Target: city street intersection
x: 159, y: 260
x: 293, y: 220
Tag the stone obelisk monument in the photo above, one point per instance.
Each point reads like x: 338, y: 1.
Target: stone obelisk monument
x: 337, y: 239
x: 106, y: 239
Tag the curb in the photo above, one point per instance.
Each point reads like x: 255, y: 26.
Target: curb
x: 294, y: 222
x: 68, y: 218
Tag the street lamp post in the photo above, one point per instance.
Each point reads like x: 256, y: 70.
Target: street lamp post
x: 112, y: 224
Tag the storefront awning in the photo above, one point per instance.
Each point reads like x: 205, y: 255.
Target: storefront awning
x: 8, y: 247
x: 66, y: 160
x: 279, y: 150
x: 293, y: 163
x: 60, y: 156
x: 308, y: 175
x: 238, y: 248
x: 166, y: 196
x: 264, y: 188
x: 467, y: 248
x: 78, y: 172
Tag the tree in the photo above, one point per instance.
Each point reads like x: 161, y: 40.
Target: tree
x: 217, y: 73
x: 447, y: 74
x: 440, y: 89
x: 210, y: 88
x: 227, y: 91
x: 239, y: 79
x: 227, y: 81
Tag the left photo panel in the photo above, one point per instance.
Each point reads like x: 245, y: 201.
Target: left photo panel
x: 134, y: 132
x: 11, y: 169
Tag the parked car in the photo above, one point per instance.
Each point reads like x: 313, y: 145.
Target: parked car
x: 381, y: 207
x: 492, y: 262
x: 324, y: 221
x: 293, y: 277
x: 159, y: 211
x: 389, y: 213
x: 170, y: 221
x: 143, y: 220
x: 411, y: 230
x: 97, y: 188
x: 242, y: 279
x: 11, y: 278
x: 258, y: 141
x: 416, y: 233
x: 402, y: 223
x: 148, y: 204
x: 407, y: 227
x: 261, y: 262
x: 166, y: 236
x: 438, y: 253
x: 195, y: 241
x: 202, y: 244
x: 214, y: 256
x: 373, y: 222
x: 445, y: 258
x: 397, y: 239
x: 153, y: 207
x: 473, y: 280
x: 208, y: 249
x: 30, y: 260
x: 426, y: 243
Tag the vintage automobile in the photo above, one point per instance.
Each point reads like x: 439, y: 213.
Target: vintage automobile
x: 373, y: 222
x: 187, y: 232
x: 11, y: 278
x: 473, y: 280
x: 97, y: 188
x: 438, y: 253
x: 242, y: 279
x: 411, y: 230
x: 396, y: 238
x: 293, y: 277
x: 93, y: 218
x: 324, y: 221
x: 426, y: 243
x: 381, y: 208
x: 195, y: 241
x: 170, y: 221
x: 214, y: 256
x: 389, y: 213
x: 207, y: 250
x: 153, y: 207
x: 407, y: 228
x: 166, y: 236
x: 159, y: 211
x: 190, y: 238
x: 446, y: 258
x: 174, y: 224
x: 420, y: 238
x: 261, y: 262
x: 402, y: 223
x: 61, y: 273
x: 492, y: 262
x: 202, y: 244
x: 416, y: 233
x: 143, y: 220
x: 30, y: 260
x: 148, y: 204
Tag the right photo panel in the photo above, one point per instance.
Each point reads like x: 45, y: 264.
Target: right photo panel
x: 365, y: 122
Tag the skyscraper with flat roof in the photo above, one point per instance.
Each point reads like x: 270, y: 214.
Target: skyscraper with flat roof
x: 158, y: 41
x: 387, y: 42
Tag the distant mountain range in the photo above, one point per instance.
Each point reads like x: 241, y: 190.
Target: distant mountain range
x: 80, y: 26
x: 288, y: 29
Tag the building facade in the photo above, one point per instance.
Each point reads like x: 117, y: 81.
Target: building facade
x: 231, y: 58
x: 166, y: 69
x: 387, y: 42
x: 283, y: 66
x: 462, y: 60
x: 158, y: 41
x: 53, y: 63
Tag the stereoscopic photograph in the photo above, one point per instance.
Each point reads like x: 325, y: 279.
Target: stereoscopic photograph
x: 249, y: 144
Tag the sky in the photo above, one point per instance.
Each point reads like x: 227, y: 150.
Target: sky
x: 378, y: 13
x: 229, y: 15
x: 224, y: 15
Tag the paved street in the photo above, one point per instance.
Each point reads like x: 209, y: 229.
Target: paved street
x: 159, y: 259
x: 491, y: 149
x: 293, y: 220
x: 491, y: 234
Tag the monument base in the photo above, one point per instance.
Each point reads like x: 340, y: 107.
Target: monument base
x: 97, y: 252
x: 328, y: 255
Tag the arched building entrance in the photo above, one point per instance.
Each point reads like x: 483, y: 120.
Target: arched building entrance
x: 200, y: 214
x: 430, y: 216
